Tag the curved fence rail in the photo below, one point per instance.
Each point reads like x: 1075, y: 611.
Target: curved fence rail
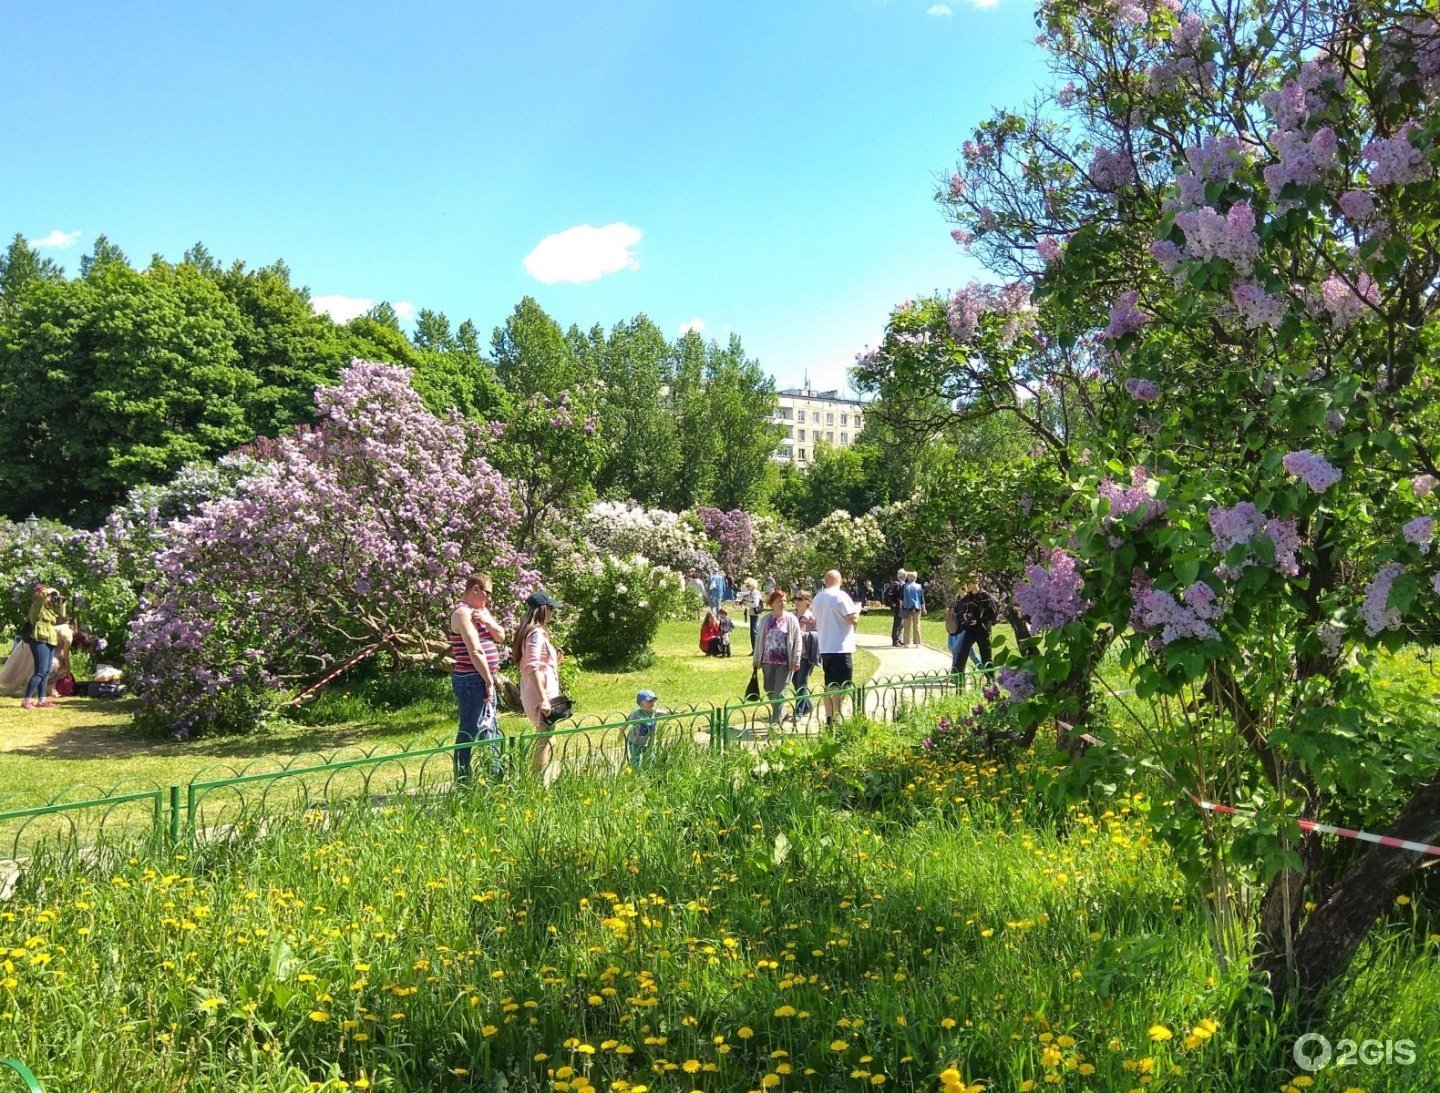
x: 32, y: 1083
x: 228, y: 798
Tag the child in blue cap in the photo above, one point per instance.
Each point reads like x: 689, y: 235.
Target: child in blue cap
x: 642, y: 730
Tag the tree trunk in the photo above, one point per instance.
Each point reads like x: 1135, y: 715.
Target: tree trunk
x: 1323, y: 948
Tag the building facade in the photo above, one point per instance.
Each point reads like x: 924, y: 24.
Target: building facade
x: 811, y: 417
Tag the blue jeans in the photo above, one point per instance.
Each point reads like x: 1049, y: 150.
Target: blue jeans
x: 44, y: 654
x: 801, y: 682
x: 477, y: 723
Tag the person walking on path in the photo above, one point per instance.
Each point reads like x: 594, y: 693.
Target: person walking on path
x: 894, y: 592
x: 809, y: 656
x: 912, y: 604
x: 976, y: 612
x: 539, y: 663
x: 835, y: 617
x: 777, y: 656
x: 41, y: 634
x: 475, y: 637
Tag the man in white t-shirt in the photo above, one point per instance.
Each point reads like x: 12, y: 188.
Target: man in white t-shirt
x: 835, y: 617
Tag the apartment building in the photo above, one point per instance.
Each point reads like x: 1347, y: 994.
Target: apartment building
x: 811, y: 417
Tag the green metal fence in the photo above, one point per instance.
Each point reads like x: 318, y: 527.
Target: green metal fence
x: 227, y: 798
x: 32, y: 1084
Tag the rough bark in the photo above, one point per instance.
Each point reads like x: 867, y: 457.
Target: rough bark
x: 1328, y: 940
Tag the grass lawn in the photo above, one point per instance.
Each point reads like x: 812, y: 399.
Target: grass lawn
x: 89, y: 744
x: 932, y: 629
x: 844, y: 914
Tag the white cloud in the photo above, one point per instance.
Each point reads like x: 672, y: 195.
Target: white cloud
x: 696, y: 324
x: 405, y: 309
x: 583, y: 253
x: 944, y: 9
x: 341, y: 308
x: 56, y: 239
x: 984, y: 3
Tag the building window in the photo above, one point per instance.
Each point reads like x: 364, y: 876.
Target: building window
x: 790, y: 432
x: 844, y: 438
x: 802, y: 435
x: 830, y: 435
x: 802, y: 455
x: 844, y: 419
x: 829, y: 419
x: 785, y: 413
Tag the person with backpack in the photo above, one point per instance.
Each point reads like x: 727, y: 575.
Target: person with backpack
x: 975, y: 612
x: 894, y: 591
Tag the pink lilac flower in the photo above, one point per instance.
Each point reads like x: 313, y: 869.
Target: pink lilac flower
x: 1136, y: 499
x: 1314, y: 470
x: 1050, y: 597
x: 965, y: 309
x: 1241, y: 525
x: 1142, y: 390
x: 1234, y: 526
x: 1020, y: 682
x: 1231, y: 237
x: 957, y: 186
x: 1125, y: 317
x: 1256, y: 306
x: 1394, y: 160
x: 1048, y: 247
x: 1346, y: 304
x: 1066, y: 95
x: 1358, y: 205
x: 1376, y: 610
x: 1159, y: 610
x: 1166, y: 253
x: 1303, y: 159
x: 1423, y: 485
x: 1216, y: 158
x: 1287, y: 105
x: 1420, y: 532
x: 1187, y: 34
x: 1111, y: 170
x: 985, y: 219
x: 1130, y: 14
x: 961, y: 236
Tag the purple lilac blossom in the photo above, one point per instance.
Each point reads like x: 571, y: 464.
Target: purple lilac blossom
x: 1376, y: 610
x: 1159, y: 610
x: 1020, y: 682
x: 1256, y: 306
x: 1394, y: 161
x: 1050, y: 596
x: 1423, y: 485
x: 1358, y: 205
x: 1230, y: 237
x: 1314, y: 470
x: 1125, y: 317
x: 1420, y: 532
x: 1142, y: 390
x: 1135, y: 498
x: 1111, y: 170
x: 1346, y: 304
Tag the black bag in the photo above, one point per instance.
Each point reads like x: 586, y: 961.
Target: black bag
x: 27, y: 631
x: 561, y: 707
x: 752, y: 691
x: 108, y: 689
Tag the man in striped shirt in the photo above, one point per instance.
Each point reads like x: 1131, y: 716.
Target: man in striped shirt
x: 475, y: 637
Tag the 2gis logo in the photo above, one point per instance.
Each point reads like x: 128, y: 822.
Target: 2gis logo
x: 1314, y: 1052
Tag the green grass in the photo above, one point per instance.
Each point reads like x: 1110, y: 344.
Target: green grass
x: 88, y: 745
x: 845, y: 914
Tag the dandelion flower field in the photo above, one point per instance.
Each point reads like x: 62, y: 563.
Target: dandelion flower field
x: 850, y: 914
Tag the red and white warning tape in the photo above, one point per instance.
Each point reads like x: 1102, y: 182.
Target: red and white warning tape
x: 1304, y: 825
x: 1331, y: 829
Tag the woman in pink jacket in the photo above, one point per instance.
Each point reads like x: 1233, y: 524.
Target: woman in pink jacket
x: 539, y: 664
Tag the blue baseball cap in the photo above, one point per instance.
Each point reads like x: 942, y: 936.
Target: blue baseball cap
x: 646, y: 696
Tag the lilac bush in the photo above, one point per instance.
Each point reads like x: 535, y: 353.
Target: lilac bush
x: 1049, y: 596
x: 350, y: 537
x: 732, y: 535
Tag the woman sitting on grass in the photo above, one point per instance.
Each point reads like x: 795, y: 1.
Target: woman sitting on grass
x: 710, y: 637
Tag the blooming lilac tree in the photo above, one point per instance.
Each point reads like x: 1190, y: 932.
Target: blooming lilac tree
x: 1224, y: 218
x: 732, y: 536
x: 348, y: 539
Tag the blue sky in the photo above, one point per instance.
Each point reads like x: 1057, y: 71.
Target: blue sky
x: 762, y: 167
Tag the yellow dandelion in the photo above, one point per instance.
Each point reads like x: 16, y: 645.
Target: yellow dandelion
x: 1159, y: 1033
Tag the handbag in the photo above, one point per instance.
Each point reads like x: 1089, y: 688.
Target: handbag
x: 561, y: 707
x: 752, y: 691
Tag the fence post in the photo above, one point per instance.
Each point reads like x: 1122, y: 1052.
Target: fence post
x: 174, y: 814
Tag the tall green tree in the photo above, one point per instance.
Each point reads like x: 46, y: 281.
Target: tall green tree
x: 692, y: 477
x: 532, y: 355
x: 103, y: 253
x: 22, y: 265
x: 113, y: 380
x: 740, y: 402
x: 641, y: 443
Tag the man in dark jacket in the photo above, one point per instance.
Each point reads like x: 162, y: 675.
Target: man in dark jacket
x: 894, y: 592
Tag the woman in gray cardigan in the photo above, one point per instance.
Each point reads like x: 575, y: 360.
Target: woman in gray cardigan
x: 777, y: 651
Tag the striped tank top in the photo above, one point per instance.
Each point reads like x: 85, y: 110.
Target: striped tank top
x: 460, y: 653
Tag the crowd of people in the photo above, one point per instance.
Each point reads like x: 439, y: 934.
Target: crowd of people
x: 38, y: 666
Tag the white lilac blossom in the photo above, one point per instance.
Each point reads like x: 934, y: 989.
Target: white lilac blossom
x: 1330, y: 634
x: 1423, y: 485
